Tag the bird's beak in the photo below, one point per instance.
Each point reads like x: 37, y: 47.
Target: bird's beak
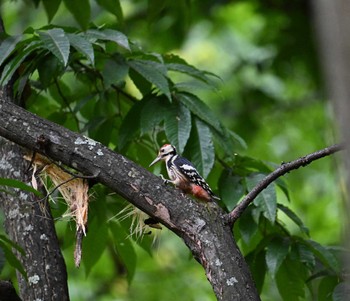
x: 155, y: 160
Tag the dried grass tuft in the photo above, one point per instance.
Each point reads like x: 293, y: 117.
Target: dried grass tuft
x: 74, y: 191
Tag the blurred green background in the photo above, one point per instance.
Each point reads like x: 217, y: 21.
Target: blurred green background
x: 271, y: 93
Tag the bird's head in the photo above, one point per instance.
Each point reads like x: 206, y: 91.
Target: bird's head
x: 165, y: 152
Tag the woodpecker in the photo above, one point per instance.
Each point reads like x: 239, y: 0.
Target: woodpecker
x: 183, y: 174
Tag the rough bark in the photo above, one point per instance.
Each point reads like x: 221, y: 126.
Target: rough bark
x: 204, y: 229
x: 29, y: 224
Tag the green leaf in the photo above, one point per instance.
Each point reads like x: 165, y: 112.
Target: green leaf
x: 202, y: 148
x: 81, y: 11
x: 229, y: 142
x: 238, y: 139
x: 266, y: 201
x: 244, y: 165
x: 124, y: 249
x: 109, y: 35
x: 12, y: 259
x: 341, y: 292
x: 153, y: 72
x: 7, y: 46
x: 305, y: 255
x: 247, y: 226
x: 11, y: 67
x: 277, y: 251
x: 57, y: 42
x: 176, y: 63
x: 58, y: 117
x: 12, y: 244
x: 294, y: 218
x: 49, y: 68
x: 6, y: 245
x: 36, y: 3
x: 257, y: 266
x: 290, y: 280
x: 130, y: 125
x: 323, y: 254
x: 200, y: 109
x: 51, y: 7
x: 326, y: 287
x: 155, y: 7
x: 82, y: 45
x: 18, y: 184
x: 94, y: 244
x: 177, y: 124
x: 144, y: 86
x: 153, y: 113
x: 231, y: 187
x: 115, y: 70
x: 114, y: 7
x: 104, y: 131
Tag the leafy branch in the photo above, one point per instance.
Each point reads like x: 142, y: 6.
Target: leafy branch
x: 280, y: 171
x: 187, y: 218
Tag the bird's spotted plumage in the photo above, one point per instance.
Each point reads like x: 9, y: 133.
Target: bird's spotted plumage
x: 183, y: 174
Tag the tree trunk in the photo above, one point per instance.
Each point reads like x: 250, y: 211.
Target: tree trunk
x: 205, y: 230
x: 29, y: 223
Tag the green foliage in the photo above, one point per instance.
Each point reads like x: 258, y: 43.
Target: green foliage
x: 177, y: 125
x: 277, y: 251
x: 266, y: 201
x: 153, y: 72
x: 290, y: 280
x: 6, y: 246
x: 294, y: 218
x: 114, y: 7
x: 80, y: 9
x: 19, y: 185
x: 57, y: 42
x: 124, y: 249
x: 51, y: 7
x: 117, y: 81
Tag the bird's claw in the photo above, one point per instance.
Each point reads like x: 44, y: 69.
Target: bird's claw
x: 165, y: 181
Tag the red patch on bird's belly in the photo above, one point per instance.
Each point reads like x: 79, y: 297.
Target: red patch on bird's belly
x: 200, y: 193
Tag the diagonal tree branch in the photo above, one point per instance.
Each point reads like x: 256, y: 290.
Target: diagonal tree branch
x: 205, y: 232
x: 280, y: 171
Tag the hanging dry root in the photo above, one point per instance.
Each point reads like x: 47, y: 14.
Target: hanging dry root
x: 73, y: 189
x: 141, y: 223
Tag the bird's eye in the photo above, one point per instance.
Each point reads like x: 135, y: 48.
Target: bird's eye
x: 162, y: 150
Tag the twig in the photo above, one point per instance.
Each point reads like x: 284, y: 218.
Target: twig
x: 280, y: 171
x: 121, y: 91
x: 60, y: 92
x: 73, y: 176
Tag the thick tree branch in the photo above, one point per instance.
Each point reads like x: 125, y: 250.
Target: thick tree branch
x: 280, y: 171
x: 204, y: 231
x: 29, y: 223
